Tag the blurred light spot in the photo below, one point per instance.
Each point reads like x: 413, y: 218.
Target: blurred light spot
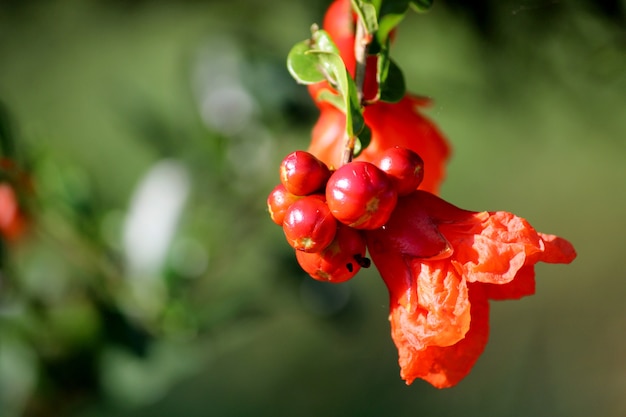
x: 17, y: 374
x: 227, y: 109
x: 249, y: 156
x: 153, y: 216
x: 224, y: 103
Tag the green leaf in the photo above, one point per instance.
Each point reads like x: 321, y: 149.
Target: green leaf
x: 421, y: 5
x: 391, y: 14
x: 334, y: 99
x: 347, y: 89
x: 323, y: 42
x: 363, y: 140
x: 393, y: 87
x: 317, y: 59
x: 367, y: 13
x: 304, y: 66
x: 391, y: 84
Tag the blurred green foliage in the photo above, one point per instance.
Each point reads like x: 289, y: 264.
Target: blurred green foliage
x: 118, y: 108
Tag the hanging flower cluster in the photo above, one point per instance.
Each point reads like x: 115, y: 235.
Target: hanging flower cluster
x: 336, y: 203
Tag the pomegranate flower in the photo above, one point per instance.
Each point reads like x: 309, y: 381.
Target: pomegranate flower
x: 441, y: 265
x: 392, y: 124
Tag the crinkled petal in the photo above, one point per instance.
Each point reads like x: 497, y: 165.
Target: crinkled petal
x: 556, y: 250
x: 522, y: 286
x: 439, y: 315
x: 504, y: 244
x: 445, y: 366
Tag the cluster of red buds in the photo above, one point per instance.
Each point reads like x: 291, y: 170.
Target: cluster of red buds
x: 324, y: 212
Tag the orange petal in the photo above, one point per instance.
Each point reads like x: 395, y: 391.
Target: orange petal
x: 495, y: 254
x: 445, y: 366
x: 522, y: 286
x: 439, y: 315
x: 391, y: 124
x: 328, y: 136
x: 557, y: 250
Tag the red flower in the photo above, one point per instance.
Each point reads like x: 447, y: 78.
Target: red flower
x: 441, y: 264
x: 392, y: 124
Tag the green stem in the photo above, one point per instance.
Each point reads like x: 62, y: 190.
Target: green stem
x: 361, y: 43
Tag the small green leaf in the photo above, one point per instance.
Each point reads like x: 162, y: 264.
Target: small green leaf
x: 421, y: 5
x: 304, y: 66
x: 347, y: 89
x: 391, y: 14
x: 357, y: 147
x: 363, y: 140
x: 367, y: 13
x: 323, y: 42
x: 393, y: 87
x: 334, y: 99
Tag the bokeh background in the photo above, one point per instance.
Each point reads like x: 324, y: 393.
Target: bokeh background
x: 151, y: 281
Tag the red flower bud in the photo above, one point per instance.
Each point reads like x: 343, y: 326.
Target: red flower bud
x: 302, y: 173
x: 309, y: 225
x: 404, y: 167
x: 278, y: 202
x: 340, y: 261
x: 361, y: 195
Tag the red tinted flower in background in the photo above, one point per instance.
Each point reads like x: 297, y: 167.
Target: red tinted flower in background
x: 441, y: 264
x: 11, y: 219
x: 14, y: 182
x: 392, y: 124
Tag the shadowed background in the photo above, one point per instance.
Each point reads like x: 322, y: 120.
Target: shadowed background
x: 153, y: 281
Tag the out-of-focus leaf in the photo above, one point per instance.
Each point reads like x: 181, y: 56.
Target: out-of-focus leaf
x: 367, y: 14
x: 334, y: 99
x: 7, y: 146
x: 391, y: 14
x: 323, y: 42
x: 421, y: 5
